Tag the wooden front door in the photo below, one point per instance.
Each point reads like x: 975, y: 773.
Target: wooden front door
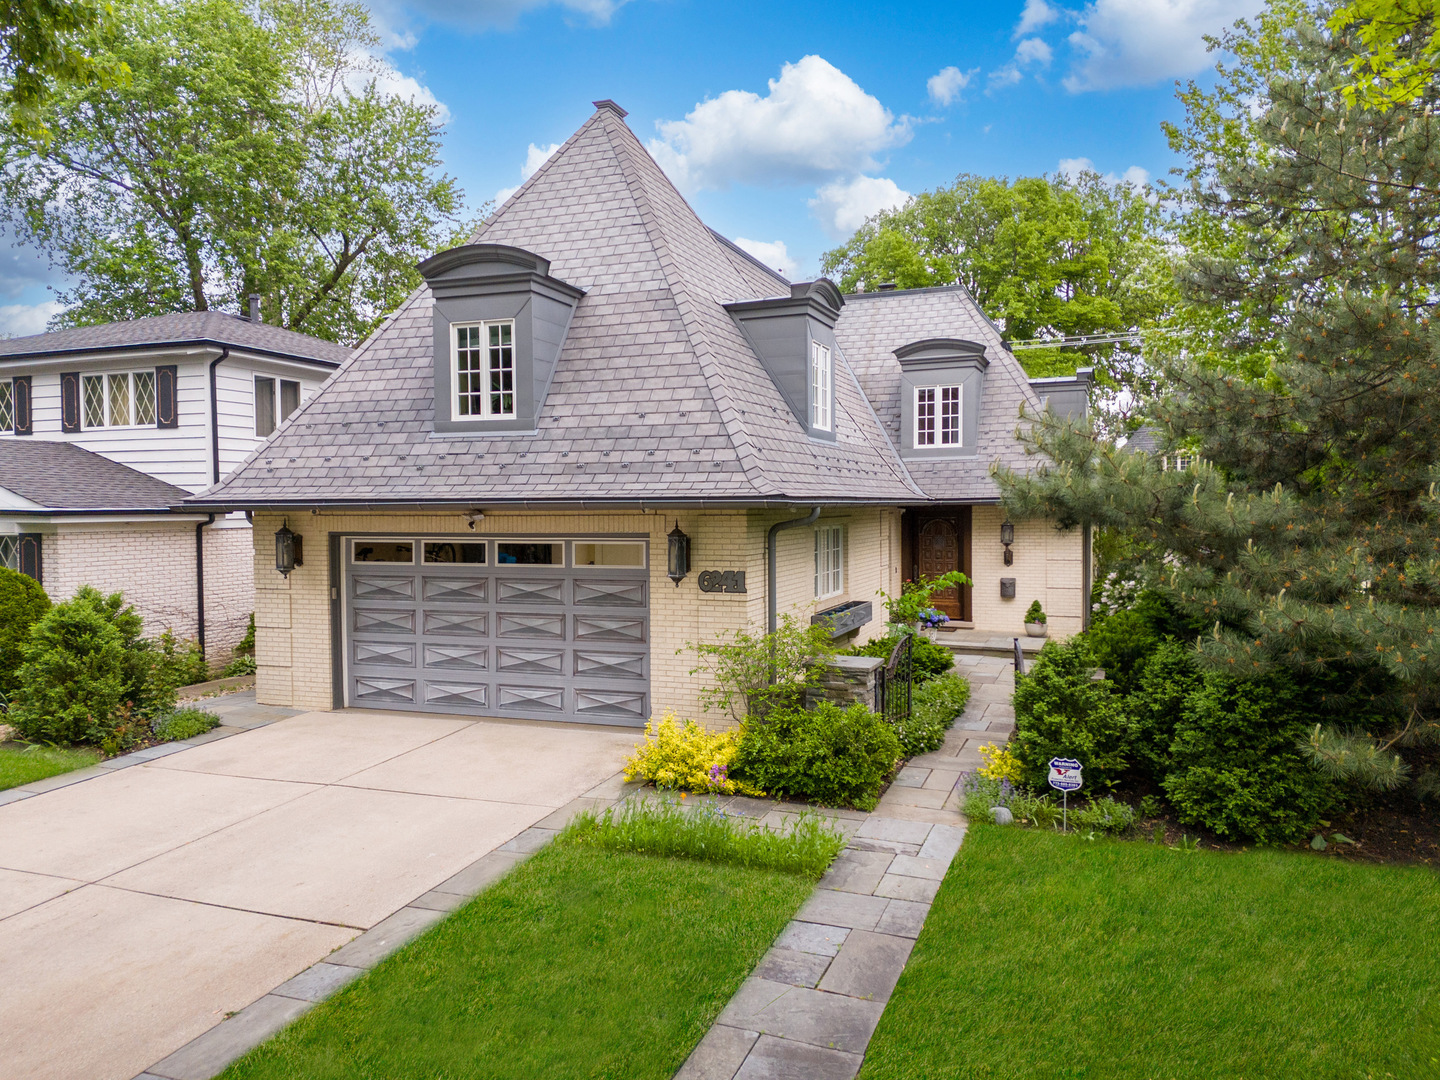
x: 939, y: 553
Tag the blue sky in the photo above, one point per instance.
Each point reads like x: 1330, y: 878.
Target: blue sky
x: 785, y: 124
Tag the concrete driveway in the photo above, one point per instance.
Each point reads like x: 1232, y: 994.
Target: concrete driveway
x: 139, y: 908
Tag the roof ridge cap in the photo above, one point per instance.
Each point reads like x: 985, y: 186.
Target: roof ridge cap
x: 739, y: 435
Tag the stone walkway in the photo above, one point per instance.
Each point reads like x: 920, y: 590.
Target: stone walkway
x: 809, y: 1009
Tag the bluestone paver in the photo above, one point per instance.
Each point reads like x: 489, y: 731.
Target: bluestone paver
x: 781, y: 1059
x: 817, y: 938
x: 202, y: 1058
x: 869, y: 966
x: 810, y: 1016
x: 897, y: 887
x: 318, y: 981
x: 793, y: 967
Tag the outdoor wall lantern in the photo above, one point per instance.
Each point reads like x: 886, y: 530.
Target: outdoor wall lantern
x: 678, y: 549
x: 288, y: 550
x: 1007, y: 537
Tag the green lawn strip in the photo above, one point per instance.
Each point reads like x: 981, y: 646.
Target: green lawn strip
x: 1052, y: 956
x: 580, y: 963
x: 24, y: 765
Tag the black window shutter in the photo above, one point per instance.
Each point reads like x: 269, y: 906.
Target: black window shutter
x: 30, y: 564
x: 24, y: 421
x: 167, y: 407
x: 70, y: 402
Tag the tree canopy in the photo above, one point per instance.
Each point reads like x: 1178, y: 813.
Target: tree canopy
x: 251, y: 151
x: 1044, y: 257
x: 40, y: 45
x: 1308, y: 533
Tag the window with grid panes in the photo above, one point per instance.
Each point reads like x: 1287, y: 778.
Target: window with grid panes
x: 937, y: 416
x: 829, y: 561
x: 485, y: 369
x: 121, y: 399
x: 820, y: 382
x: 7, y: 406
x: 10, y: 552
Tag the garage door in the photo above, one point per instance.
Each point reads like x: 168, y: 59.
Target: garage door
x: 554, y: 629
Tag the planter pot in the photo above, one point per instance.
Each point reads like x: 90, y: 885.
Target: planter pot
x: 1035, y: 629
x: 931, y: 632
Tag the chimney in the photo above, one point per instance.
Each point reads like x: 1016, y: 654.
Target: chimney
x: 254, y: 307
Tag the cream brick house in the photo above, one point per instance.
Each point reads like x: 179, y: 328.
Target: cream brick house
x: 599, y: 433
x: 105, y: 429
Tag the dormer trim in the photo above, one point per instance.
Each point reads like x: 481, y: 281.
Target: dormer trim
x: 942, y: 351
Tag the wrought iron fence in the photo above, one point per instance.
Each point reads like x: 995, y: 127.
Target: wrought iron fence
x: 893, y: 687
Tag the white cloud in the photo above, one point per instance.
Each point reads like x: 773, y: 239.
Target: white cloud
x: 1135, y: 42
x: 772, y: 253
x: 21, y: 320
x: 1037, y: 13
x: 843, y: 205
x: 947, y: 85
x: 1033, y: 51
x: 535, y: 156
x: 391, y: 83
x: 1072, y: 168
x: 814, y: 123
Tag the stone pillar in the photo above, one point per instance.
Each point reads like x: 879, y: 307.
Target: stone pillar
x: 846, y: 680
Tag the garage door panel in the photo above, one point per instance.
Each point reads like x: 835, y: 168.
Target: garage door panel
x: 609, y: 593
x: 603, y: 703
x: 374, y: 587
x: 524, y: 624
x: 519, y: 591
x: 384, y: 621
x: 532, y: 698
x: 530, y: 661
x: 457, y: 693
x: 595, y: 628
x: 458, y: 590
x: 457, y: 657
x: 384, y: 653
x: 607, y: 665
x: 457, y: 623
x: 373, y: 691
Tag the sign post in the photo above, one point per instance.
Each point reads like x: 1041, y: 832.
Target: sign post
x: 1065, y: 778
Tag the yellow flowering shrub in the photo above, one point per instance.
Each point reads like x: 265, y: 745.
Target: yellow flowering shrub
x: 687, y: 757
x: 1000, y: 763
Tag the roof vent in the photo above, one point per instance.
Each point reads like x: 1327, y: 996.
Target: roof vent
x: 254, y: 307
x: 606, y: 103
x: 885, y: 286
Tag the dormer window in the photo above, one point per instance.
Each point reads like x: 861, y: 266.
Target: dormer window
x: 937, y: 415
x: 820, y: 383
x: 485, y: 369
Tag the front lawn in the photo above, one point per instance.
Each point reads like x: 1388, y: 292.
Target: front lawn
x: 1050, y: 956
x: 20, y: 764
x: 583, y: 962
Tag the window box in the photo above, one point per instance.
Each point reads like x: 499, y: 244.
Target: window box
x: 846, y: 618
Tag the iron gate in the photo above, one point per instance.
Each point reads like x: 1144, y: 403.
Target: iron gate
x: 893, y: 689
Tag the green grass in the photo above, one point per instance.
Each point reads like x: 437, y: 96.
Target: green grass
x: 660, y: 827
x: 26, y: 764
x: 1047, y: 956
x: 580, y: 963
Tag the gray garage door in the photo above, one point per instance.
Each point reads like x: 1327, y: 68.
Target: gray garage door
x: 543, y: 628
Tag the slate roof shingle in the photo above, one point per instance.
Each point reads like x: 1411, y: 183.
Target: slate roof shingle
x: 179, y: 328
x: 63, y: 476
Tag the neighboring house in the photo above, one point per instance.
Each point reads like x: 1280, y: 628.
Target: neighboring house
x: 492, y: 497
x: 105, y: 429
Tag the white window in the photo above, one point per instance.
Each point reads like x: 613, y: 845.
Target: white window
x: 7, y: 406
x: 829, y: 561
x: 937, y: 416
x: 266, y: 420
x: 485, y: 369
x: 820, y: 380
x: 124, y: 399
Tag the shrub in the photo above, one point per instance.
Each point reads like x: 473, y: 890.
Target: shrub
x: 185, y: 723
x: 1104, y: 815
x: 927, y: 659
x: 1122, y: 644
x: 175, y: 663
x: 1035, y: 613
x: 933, y: 708
x: 660, y: 827
x: 1167, y: 679
x: 686, y: 758
x: 247, y: 643
x: 1236, y: 766
x: 82, y: 675
x: 826, y: 755
x: 756, y: 673
x: 240, y: 665
x: 1000, y: 763
x: 910, y: 606
x: 1062, y: 711
x: 22, y: 603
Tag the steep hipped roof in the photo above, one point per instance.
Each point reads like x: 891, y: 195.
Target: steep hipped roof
x: 656, y: 395
x: 62, y: 476
x: 181, y: 328
x: 873, y: 325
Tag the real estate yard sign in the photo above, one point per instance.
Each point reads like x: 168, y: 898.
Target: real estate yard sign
x: 1065, y: 778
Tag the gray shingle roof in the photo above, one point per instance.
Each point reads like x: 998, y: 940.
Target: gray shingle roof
x: 873, y: 325
x: 656, y: 395
x: 62, y: 476
x: 186, y: 327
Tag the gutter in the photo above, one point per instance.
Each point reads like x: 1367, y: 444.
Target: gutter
x: 215, y: 420
x: 200, y: 581
x: 482, y: 501
x: 775, y: 530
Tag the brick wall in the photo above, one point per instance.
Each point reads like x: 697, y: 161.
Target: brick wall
x: 1048, y: 567
x: 229, y: 589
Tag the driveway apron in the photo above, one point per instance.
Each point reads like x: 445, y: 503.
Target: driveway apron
x: 138, y: 909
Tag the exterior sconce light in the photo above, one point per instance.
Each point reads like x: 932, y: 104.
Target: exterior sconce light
x: 1007, y: 537
x: 288, y: 550
x: 678, y: 550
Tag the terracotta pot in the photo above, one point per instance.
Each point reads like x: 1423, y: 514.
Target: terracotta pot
x: 1035, y: 629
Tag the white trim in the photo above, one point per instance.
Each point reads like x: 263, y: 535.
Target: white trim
x: 822, y: 387
x: 483, y: 371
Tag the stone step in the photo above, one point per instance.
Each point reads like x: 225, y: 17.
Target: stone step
x: 973, y: 644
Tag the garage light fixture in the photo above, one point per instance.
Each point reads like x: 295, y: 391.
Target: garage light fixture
x: 678, y: 549
x: 1007, y: 537
x: 288, y: 550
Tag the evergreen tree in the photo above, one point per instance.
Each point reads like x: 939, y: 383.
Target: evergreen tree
x: 1308, y: 533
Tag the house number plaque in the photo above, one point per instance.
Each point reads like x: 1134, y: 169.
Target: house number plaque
x: 722, y: 581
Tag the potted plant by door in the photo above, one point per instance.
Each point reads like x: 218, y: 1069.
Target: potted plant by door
x: 1035, y: 620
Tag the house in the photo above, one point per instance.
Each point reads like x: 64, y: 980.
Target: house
x: 105, y: 429
x: 601, y: 432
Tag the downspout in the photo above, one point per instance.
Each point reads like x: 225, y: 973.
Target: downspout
x: 215, y: 416
x: 200, y: 581
x: 770, y: 556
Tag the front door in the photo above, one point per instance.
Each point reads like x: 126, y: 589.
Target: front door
x: 939, y: 553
